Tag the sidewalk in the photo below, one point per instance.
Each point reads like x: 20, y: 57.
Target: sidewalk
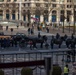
x: 60, y: 31
x: 23, y: 29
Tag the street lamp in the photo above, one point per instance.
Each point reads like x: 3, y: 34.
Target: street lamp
x: 63, y: 21
x: 69, y: 27
x: 20, y: 10
x: 73, y: 1
x: 63, y: 17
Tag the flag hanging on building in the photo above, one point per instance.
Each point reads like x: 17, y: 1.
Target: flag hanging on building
x: 36, y: 19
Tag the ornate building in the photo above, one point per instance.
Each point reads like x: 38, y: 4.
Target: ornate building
x: 44, y: 10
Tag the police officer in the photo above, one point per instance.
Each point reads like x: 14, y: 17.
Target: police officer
x: 66, y: 70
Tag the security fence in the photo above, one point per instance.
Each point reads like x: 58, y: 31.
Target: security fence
x: 58, y: 57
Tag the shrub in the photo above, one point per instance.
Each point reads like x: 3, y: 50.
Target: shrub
x: 1, y: 72
x: 26, y: 71
x: 56, y: 70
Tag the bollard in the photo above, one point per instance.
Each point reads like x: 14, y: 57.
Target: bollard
x: 48, y: 64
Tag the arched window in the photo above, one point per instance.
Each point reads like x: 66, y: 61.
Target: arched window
x: 7, y: 14
x: 54, y: 14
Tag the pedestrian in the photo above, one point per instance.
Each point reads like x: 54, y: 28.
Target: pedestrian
x: 46, y: 45
x: 51, y: 42
x: 11, y: 29
x: 28, y: 24
x: 57, y: 36
x: 66, y: 70
x: 29, y: 30
x: 73, y: 51
x: 6, y: 27
x: 30, y: 43
x: 47, y: 29
x: 32, y: 31
x: 34, y: 45
x: 39, y: 35
x: 72, y: 36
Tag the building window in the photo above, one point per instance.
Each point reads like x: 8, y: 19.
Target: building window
x: 69, y: 0
x: 37, y: 4
x: 69, y: 6
x: 13, y: 16
x: 7, y: 16
x: 28, y: 4
x: 8, y: 0
x: 53, y: 5
x: 53, y: 0
x: 68, y: 15
x: 15, y: 0
x: 1, y: 0
x: 53, y: 18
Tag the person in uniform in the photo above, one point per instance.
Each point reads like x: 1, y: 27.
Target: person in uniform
x: 66, y: 70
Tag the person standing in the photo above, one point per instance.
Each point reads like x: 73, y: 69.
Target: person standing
x: 73, y: 51
x: 66, y: 70
x: 39, y: 35
x: 31, y: 43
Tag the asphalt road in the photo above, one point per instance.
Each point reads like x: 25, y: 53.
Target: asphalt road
x: 27, y: 49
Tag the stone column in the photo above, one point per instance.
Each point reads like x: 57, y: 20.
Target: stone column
x: 20, y: 5
x: 72, y: 16
x: 26, y: 18
x: 58, y: 17
x: 41, y: 18
x: 10, y: 14
x: 50, y: 17
x: 16, y: 14
x: 65, y: 14
x: 4, y: 14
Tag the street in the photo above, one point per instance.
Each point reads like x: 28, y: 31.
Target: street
x: 27, y: 49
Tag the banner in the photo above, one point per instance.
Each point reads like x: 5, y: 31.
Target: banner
x: 36, y: 19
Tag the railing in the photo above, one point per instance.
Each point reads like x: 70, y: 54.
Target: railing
x: 21, y: 56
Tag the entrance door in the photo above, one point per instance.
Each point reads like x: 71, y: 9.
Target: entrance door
x: 53, y: 18
x: 7, y: 16
x: 13, y: 16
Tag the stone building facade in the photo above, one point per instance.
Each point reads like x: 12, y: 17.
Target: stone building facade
x: 37, y: 10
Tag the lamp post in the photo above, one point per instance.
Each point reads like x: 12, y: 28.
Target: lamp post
x: 74, y: 21
x: 63, y: 21
x: 63, y: 17
x: 20, y: 10
x: 69, y: 27
x: 73, y: 1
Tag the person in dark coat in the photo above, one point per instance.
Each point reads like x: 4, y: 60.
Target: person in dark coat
x: 73, y: 51
x: 34, y: 44
x: 39, y: 35
x: 51, y: 43
x: 72, y: 36
x: 29, y: 30
x: 57, y: 36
